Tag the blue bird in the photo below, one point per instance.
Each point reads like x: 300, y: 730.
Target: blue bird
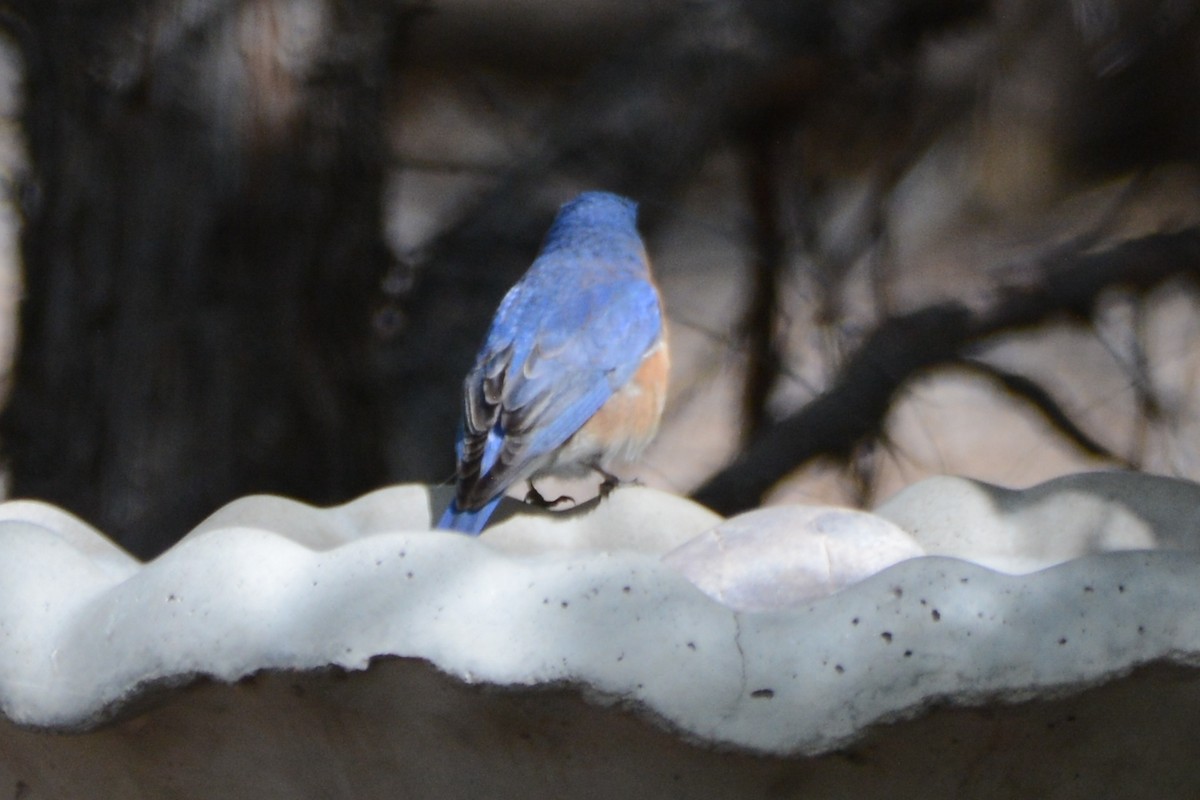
x: 572, y: 376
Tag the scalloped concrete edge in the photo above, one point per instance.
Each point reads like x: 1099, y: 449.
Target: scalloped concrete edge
x: 235, y: 598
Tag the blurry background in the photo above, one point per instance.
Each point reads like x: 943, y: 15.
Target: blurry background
x: 252, y: 245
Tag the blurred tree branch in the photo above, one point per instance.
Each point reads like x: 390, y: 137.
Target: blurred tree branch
x: 1036, y: 395
x: 852, y: 411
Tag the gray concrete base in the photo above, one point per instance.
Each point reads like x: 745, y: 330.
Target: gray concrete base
x: 403, y: 730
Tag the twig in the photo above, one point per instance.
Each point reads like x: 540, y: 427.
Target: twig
x: 901, y: 348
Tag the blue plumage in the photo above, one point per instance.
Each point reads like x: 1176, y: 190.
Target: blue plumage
x: 568, y: 337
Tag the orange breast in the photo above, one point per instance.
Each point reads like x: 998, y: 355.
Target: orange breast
x: 625, y: 424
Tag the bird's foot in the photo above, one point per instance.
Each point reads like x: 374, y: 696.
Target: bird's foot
x: 609, y: 483
x: 535, y: 498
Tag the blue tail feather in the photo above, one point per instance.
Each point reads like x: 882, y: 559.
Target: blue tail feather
x: 469, y: 522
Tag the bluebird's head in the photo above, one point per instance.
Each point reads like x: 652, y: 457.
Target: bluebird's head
x: 591, y: 214
x: 600, y: 208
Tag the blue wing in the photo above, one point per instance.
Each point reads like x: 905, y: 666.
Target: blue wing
x: 549, y: 363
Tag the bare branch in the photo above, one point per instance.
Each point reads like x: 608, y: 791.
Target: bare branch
x: 901, y: 348
x: 1029, y: 390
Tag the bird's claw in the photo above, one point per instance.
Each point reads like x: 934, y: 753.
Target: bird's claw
x: 534, y: 498
x: 609, y: 483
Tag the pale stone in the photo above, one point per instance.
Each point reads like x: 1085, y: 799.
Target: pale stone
x: 1061, y: 519
x: 785, y: 556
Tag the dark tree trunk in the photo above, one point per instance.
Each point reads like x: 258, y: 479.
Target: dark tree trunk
x: 202, y: 248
